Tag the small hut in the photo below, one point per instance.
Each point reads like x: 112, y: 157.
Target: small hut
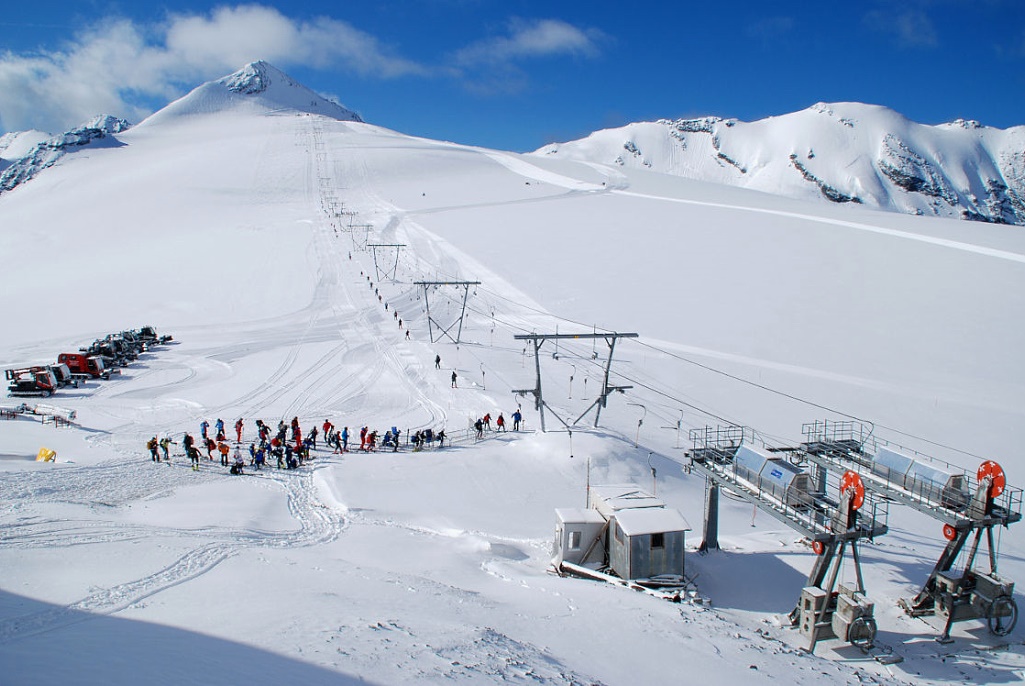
x: 578, y: 537
x: 630, y: 530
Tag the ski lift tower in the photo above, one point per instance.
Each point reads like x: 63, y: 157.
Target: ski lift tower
x: 606, y: 390
x: 728, y: 458
x: 968, y: 505
x: 389, y: 273
x: 432, y: 322
x: 364, y: 242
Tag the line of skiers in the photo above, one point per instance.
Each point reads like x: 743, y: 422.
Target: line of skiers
x: 288, y: 446
x: 484, y: 423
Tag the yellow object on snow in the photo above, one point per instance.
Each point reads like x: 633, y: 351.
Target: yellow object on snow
x: 46, y: 455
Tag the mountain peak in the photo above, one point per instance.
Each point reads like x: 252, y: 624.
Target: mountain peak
x: 254, y: 78
x: 259, y: 87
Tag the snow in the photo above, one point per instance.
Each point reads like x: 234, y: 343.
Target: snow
x: 844, y: 152
x: 220, y: 228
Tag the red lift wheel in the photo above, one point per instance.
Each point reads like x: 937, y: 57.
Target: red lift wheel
x: 996, y: 472
x: 851, y: 481
x: 817, y: 547
x: 949, y: 532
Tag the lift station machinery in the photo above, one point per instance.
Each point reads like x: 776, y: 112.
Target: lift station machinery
x: 969, y: 506
x: 729, y: 457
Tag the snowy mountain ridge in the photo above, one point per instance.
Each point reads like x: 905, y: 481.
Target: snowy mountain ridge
x: 840, y: 152
x: 99, y: 130
x: 258, y: 86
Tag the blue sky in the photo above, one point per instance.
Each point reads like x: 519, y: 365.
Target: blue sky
x: 516, y: 74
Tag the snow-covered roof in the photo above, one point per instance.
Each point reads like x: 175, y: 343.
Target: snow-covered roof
x: 651, y: 520
x: 574, y: 515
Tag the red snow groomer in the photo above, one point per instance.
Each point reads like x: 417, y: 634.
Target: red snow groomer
x: 85, y: 364
x: 31, y: 381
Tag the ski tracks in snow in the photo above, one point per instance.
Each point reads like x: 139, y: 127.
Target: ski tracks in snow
x: 128, y: 482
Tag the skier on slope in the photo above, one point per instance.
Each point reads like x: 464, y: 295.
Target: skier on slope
x: 164, y: 442
x: 238, y: 430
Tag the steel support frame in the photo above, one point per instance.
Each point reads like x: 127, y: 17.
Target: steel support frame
x: 432, y: 322
x: 395, y: 267
x: 602, y: 399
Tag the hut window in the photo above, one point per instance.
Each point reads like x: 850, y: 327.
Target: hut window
x: 574, y: 540
x: 658, y: 540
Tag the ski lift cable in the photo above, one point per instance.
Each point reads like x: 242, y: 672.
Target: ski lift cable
x: 810, y: 403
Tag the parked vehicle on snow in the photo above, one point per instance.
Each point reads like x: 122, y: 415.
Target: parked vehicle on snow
x: 149, y: 334
x: 112, y: 354
x: 31, y: 381
x: 65, y: 377
x: 79, y: 363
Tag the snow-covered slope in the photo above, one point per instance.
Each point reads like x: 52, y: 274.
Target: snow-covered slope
x: 282, y: 253
x: 17, y: 144
x: 839, y: 152
x: 97, y: 132
x: 256, y: 87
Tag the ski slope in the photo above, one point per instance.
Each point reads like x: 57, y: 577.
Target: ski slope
x: 230, y: 228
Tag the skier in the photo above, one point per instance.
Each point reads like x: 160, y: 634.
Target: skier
x: 223, y: 449
x: 487, y: 421
x: 152, y: 445
x: 328, y: 426
x: 204, y: 426
x: 313, y: 438
x: 441, y: 438
x: 500, y: 422
x: 345, y: 439
x: 188, y: 442
x: 437, y: 361
x: 238, y: 430
x: 219, y: 425
x: 395, y: 437
x: 454, y: 379
x: 479, y: 427
x: 164, y: 442
x: 516, y: 419
x: 363, y: 439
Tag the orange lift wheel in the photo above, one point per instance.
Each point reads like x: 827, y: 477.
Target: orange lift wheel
x: 949, y: 532
x: 817, y: 547
x: 852, y: 481
x: 991, y: 469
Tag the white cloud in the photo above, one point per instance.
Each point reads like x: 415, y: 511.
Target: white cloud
x: 232, y: 36
x: 119, y: 67
x: 537, y: 38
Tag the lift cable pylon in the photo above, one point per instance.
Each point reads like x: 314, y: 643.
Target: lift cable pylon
x: 728, y: 459
x: 602, y: 399
x: 391, y: 272
x: 432, y: 322
x: 364, y: 241
x: 967, y: 505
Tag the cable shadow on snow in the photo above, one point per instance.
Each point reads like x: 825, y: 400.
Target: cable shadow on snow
x: 41, y: 643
